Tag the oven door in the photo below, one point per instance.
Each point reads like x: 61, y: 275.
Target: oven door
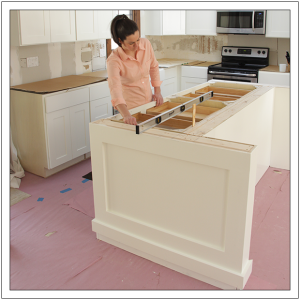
x: 241, y: 22
x: 232, y: 77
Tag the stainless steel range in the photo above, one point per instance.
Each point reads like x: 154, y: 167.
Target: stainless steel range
x: 239, y: 64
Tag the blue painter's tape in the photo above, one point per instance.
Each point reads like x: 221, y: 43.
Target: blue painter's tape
x: 40, y: 199
x: 85, y: 180
x: 66, y: 190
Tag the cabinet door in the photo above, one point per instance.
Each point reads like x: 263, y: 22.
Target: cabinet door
x: 104, y: 20
x: 201, y: 22
x: 151, y: 22
x: 62, y: 24
x: 59, y: 137
x: 173, y: 22
x: 34, y: 27
x: 101, y: 108
x: 188, y: 82
x: 278, y: 24
x: 169, y: 87
x: 86, y: 25
x: 79, y: 120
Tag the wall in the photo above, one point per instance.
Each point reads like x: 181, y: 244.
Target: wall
x: 55, y: 60
x: 208, y: 48
x: 62, y: 59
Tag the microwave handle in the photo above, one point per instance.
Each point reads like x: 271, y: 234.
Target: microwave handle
x: 253, y: 15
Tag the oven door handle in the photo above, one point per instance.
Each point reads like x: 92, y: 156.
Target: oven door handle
x: 253, y: 16
x: 231, y: 74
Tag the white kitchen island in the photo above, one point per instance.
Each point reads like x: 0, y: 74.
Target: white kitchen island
x: 182, y: 196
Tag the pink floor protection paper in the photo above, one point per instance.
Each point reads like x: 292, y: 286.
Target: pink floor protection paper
x: 53, y: 247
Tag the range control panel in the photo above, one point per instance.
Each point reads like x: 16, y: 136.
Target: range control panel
x: 245, y: 51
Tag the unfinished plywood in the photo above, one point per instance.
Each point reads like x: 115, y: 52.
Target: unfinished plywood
x: 215, y: 97
x: 171, y: 124
x: 172, y: 62
x: 201, y: 112
x: 57, y: 84
x: 219, y: 91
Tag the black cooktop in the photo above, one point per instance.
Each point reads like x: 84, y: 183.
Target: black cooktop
x: 237, y: 66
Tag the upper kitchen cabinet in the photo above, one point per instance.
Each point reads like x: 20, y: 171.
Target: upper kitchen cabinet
x: 173, y: 22
x: 62, y: 24
x: 29, y: 27
x: 163, y: 22
x: 104, y: 20
x: 278, y: 24
x: 201, y: 22
x: 86, y: 25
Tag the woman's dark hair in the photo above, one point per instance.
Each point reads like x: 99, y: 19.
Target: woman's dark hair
x: 121, y: 27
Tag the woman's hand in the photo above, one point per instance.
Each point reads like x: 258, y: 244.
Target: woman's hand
x: 127, y: 117
x: 157, y: 96
x: 129, y: 120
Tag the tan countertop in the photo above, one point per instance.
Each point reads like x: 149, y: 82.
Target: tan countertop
x: 172, y: 62
x: 57, y: 84
x: 102, y: 73
x: 73, y: 81
x: 272, y: 68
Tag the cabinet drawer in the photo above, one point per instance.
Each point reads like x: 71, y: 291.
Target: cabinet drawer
x: 99, y: 90
x: 170, y: 72
x: 67, y: 99
x: 190, y: 71
x: 101, y: 108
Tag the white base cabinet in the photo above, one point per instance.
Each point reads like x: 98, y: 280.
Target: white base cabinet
x: 274, y: 78
x: 51, y: 131
x: 192, y: 76
x: 101, y: 108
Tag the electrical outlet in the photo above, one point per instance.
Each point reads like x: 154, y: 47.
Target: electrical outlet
x: 23, y: 62
x: 29, y: 62
x: 32, y: 62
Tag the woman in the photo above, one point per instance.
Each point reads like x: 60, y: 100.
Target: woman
x: 128, y: 69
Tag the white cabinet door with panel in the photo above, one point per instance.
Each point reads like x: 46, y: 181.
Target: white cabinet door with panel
x: 79, y: 120
x: 151, y: 22
x: 163, y: 22
x: 101, y: 108
x: 278, y: 24
x: 187, y: 82
x: 86, y: 25
x: 169, y: 87
x: 104, y: 20
x: 201, y: 22
x: 191, y: 76
x: 59, y: 137
x: 62, y: 24
x: 29, y: 27
x: 173, y: 22
x: 100, y: 101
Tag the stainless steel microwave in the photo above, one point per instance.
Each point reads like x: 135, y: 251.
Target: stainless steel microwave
x: 241, y: 22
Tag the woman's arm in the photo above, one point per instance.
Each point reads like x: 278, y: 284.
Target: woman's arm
x: 157, y: 96
x: 127, y: 117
